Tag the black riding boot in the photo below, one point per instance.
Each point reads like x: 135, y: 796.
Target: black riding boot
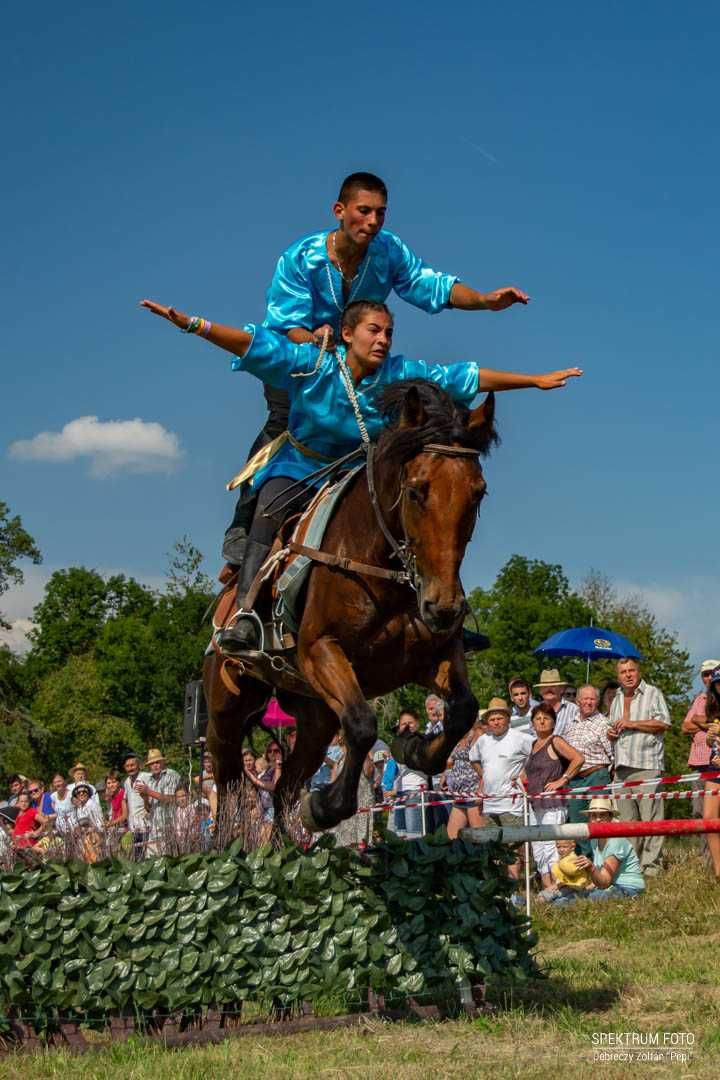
x: 244, y: 634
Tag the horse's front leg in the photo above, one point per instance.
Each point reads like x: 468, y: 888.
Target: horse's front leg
x: 329, y: 671
x: 449, y: 679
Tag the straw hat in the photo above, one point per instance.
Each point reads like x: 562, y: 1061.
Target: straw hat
x: 154, y: 755
x: 496, y: 704
x: 76, y: 768
x: 550, y: 677
x: 709, y: 665
x: 598, y: 804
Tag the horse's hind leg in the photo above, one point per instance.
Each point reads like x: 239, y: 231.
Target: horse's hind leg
x: 329, y: 671
x: 316, y: 724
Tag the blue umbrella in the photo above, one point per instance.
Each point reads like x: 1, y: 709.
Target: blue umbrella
x: 590, y: 642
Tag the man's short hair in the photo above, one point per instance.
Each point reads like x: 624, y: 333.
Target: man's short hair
x: 357, y: 309
x: 588, y: 686
x: 518, y: 681
x: 629, y: 660
x: 361, y: 181
x: 408, y: 712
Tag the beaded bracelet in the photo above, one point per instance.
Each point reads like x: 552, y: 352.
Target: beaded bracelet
x: 205, y: 328
x: 193, y: 326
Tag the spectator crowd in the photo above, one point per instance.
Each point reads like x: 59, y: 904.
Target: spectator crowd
x: 516, y: 764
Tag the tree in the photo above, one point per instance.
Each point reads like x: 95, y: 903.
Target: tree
x: 529, y: 600
x: 72, y: 706
x: 15, y: 543
x: 76, y: 605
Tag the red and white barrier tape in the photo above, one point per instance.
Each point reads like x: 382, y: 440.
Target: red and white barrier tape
x: 611, y: 790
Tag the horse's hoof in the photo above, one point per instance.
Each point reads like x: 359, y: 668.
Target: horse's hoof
x: 308, y: 821
x: 398, y: 747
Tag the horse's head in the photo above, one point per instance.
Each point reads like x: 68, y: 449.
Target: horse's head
x: 435, y: 446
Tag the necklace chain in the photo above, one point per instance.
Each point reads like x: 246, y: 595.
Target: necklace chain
x: 354, y: 284
x: 352, y: 396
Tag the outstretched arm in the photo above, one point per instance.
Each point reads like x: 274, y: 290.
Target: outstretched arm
x: 225, y: 337
x: 511, y: 380
x: 467, y: 299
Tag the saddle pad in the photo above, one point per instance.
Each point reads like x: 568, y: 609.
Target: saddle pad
x: 312, y: 528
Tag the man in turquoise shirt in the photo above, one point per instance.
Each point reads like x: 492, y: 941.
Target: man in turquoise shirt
x: 315, y: 279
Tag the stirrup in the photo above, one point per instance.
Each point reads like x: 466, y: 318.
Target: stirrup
x: 241, y: 613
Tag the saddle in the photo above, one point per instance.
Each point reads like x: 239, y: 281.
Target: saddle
x: 280, y: 586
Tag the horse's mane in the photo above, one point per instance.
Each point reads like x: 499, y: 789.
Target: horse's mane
x: 442, y: 420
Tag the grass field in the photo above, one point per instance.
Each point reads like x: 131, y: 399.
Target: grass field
x: 649, y: 967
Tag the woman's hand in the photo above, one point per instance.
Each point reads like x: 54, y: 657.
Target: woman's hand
x: 555, y: 785
x: 553, y: 380
x: 177, y: 318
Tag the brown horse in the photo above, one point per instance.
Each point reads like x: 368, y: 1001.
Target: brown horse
x: 363, y: 635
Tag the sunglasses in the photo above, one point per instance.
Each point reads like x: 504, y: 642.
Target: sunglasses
x: 34, y: 790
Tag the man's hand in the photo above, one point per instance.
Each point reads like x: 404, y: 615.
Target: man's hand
x: 176, y: 317
x: 553, y: 380
x: 583, y: 863
x: 319, y: 334
x: 503, y: 298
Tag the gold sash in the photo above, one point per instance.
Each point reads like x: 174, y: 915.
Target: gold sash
x: 259, y: 461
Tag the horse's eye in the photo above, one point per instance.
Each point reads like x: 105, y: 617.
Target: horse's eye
x: 414, y: 495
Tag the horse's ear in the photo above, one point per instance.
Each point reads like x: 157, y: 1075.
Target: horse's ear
x: 413, y: 411
x: 482, y: 424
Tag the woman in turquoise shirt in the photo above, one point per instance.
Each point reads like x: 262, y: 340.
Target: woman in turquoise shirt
x: 324, y: 424
x: 614, y: 866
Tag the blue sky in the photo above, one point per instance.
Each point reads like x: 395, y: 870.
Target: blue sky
x: 175, y: 151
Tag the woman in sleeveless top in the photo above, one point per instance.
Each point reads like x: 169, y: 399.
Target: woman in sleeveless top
x: 551, y: 764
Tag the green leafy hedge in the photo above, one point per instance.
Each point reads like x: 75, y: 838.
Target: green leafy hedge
x: 180, y: 934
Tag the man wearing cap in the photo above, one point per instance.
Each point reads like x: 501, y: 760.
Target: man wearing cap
x: 79, y: 775
x: 639, y: 718
x: 696, y: 724
x: 588, y: 733
x: 499, y: 758
x: 552, y: 687
x: 159, y: 795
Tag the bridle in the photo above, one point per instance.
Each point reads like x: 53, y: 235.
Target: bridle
x: 403, y: 550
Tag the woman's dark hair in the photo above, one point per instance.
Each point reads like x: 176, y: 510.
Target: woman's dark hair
x: 356, y: 309
x: 545, y: 709
x: 113, y: 775
x: 712, y: 702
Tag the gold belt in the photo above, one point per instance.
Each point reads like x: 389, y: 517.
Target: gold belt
x: 266, y: 453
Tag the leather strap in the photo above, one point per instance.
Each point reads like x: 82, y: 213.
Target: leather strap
x: 327, y: 559
x: 450, y: 451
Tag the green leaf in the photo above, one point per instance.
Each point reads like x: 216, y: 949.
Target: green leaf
x: 394, y: 964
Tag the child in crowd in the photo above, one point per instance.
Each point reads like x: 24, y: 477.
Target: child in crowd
x: 569, y: 879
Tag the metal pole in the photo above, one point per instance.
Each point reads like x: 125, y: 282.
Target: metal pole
x: 526, y: 819
x: 422, y: 808
x: 594, y: 830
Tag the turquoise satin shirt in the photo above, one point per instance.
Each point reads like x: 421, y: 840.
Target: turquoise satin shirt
x: 307, y: 290
x: 321, y: 416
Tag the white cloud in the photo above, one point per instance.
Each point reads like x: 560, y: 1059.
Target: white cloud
x: 111, y: 445
x: 687, y: 607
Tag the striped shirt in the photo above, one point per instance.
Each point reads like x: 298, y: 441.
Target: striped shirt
x: 639, y: 749
x: 699, y: 751
x: 590, y: 738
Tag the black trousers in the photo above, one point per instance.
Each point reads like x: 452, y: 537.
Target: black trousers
x: 278, y: 403
x: 273, y: 507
